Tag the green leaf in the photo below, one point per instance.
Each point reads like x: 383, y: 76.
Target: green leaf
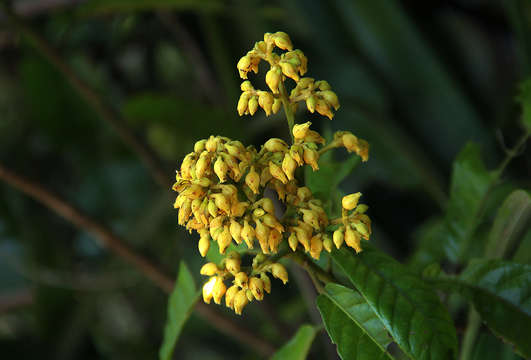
x: 180, y: 306
x: 501, y: 293
x: 113, y: 6
x: 469, y: 186
x: 514, y: 216
x: 298, y: 346
x: 352, y: 324
x: 408, y: 307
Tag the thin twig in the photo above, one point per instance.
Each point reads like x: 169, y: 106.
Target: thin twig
x: 118, y: 245
x: 144, y: 152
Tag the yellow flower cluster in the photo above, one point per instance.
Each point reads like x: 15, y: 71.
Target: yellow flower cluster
x: 222, y: 183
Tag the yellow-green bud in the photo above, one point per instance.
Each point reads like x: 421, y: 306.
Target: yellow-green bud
x: 246, y: 86
x: 304, y: 193
x: 199, y: 146
x: 338, y: 237
x: 323, y: 85
x: 331, y: 98
x: 279, y: 271
x: 244, y: 65
x: 276, y: 145
x: 262, y: 234
x: 289, y: 70
x: 224, y: 239
x: 221, y: 202
x: 240, y: 279
x: 209, y: 269
x: 212, y: 208
x: 361, y: 208
x: 277, y: 104
x: 311, y: 101
x: 288, y: 166
x: 221, y: 168
x: 233, y: 265
x: 277, y: 172
x: 349, y: 202
x: 236, y: 231
x: 243, y: 103
x: 310, y: 217
x: 362, y: 229
x: 248, y: 234
x: 258, y: 212
x: 275, y: 238
x: 282, y: 40
x: 311, y: 158
x: 327, y: 243
x: 323, y: 108
x: 350, y: 142
x: 212, y: 144
x: 267, y: 282
x: 352, y: 239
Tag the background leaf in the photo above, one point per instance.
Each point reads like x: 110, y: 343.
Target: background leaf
x: 299, y: 345
x: 501, y: 293
x: 410, y: 310
x: 180, y: 306
x: 352, y: 324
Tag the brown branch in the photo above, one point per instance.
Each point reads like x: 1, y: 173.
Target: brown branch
x: 116, y: 244
x: 105, y: 112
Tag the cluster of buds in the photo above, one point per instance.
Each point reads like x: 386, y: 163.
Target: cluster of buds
x: 354, y: 223
x: 222, y: 186
x: 245, y: 287
x: 292, y: 64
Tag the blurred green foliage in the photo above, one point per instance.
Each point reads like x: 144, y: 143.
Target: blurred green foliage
x: 418, y: 80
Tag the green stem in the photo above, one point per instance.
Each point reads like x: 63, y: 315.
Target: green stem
x: 315, y: 271
x: 472, y: 330
x: 290, y: 116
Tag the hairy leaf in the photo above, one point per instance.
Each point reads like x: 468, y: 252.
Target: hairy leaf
x: 299, y: 345
x: 352, y: 324
x: 406, y: 305
x: 180, y: 306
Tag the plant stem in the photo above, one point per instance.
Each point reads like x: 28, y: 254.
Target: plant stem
x: 315, y: 272
x: 290, y: 116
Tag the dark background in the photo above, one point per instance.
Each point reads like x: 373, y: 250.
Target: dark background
x: 417, y: 79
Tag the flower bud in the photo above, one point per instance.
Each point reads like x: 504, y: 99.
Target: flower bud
x: 350, y: 142
x: 275, y: 237
x: 362, y: 229
x: 331, y: 98
x: 323, y: 85
x: 256, y: 286
x: 212, y: 208
x: 266, y: 282
x: 208, y: 289
x: 338, y: 237
x: 267, y: 205
x: 233, y: 264
x: 282, y: 40
x: 272, y: 222
x: 273, y: 78
x: 303, y: 236
x: 219, y: 290
x: 202, y: 165
x: 323, y: 108
x: 221, y: 202
x: 265, y: 100
x: 248, y: 234
x: 327, y: 243
x: 311, y: 157
x: 262, y: 234
x: 203, y: 245
x: 253, y: 105
x: 277, y: 172
x: 240, y: 301
x: 199, y: 146
x: 288, y: 166
x: 352, y: 239
x: 304, y: 193
x: 194, y: 191
x: 300, y: 130
x: 293, y: 241
x: 276, y: 105
x: 185, y: 211
x: 253, y: 180
x: 276, y: 145
x: 236, y: 231
x: 243, y: 103
x: 221, y: 168
x: 315, y: 137
x: 361, y: 209
x: 289, y: 70
x: 212, y: 144
x: 230, y: 295
x: 258, y: 212
x: 316, y: 246
x: 310, y: 217
x: 224, y: 239
x: 246, y: 86
x: 244, y: 66
x: 311, y: 101
x: 279, y: 271
x: 240, y: 279
x: 209, y: 269
x: 349, y: 202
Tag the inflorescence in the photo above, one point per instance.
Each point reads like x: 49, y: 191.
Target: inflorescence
x: 222, y: 183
